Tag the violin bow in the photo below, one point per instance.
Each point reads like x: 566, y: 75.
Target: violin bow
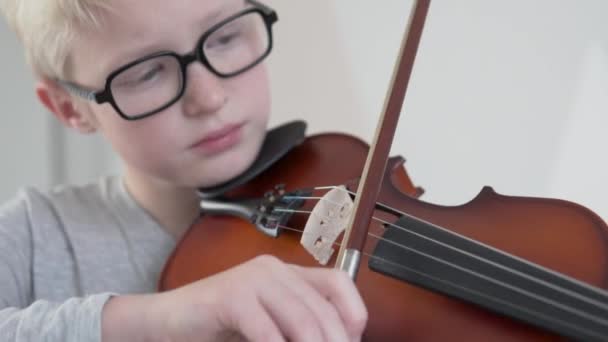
x: 356, y: 232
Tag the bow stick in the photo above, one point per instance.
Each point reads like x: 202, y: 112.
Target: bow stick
x: 373, y: 172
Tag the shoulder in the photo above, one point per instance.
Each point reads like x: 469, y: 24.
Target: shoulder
x: 92, y: 194
x: 31, y: 206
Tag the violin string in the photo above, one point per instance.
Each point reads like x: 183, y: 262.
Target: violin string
x: 522, y: 291
x: 542, y: 282
x: 465, y: 289
x: 497, y: 300
x: 495, y: 264
x: 501, y: 283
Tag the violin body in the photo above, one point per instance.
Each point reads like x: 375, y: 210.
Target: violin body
x: 558, y: 235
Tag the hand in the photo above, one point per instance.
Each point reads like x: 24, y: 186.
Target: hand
x: 263, y: 300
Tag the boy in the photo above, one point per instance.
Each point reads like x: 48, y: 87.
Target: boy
x: 81, y: 263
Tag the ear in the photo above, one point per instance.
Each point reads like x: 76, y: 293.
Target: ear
x: 63, y: 106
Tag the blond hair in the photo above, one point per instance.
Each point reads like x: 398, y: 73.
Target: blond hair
x: 47, y: 29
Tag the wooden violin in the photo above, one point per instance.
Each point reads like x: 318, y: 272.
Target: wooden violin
x: 499, y: 268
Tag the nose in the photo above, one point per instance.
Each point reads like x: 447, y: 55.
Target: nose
x: 204, y: 93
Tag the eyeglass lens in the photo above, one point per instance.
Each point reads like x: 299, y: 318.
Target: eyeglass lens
x: 153, y: 83
x: 237, y: 44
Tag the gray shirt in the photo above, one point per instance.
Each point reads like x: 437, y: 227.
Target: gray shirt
x: 63, y: 253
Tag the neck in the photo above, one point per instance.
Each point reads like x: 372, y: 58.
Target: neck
x: 174, y: 208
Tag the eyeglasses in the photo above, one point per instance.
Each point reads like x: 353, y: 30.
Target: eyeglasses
x: 151, y: 84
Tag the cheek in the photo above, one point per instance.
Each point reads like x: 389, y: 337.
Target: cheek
x: 138, y: 143
x: 254, y: 94
x: 152, y: 146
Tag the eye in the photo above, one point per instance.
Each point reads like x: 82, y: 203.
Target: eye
x: 151, y: 74
x: 223, y: 39
x: 141, y: 75
x: 227, y: 36
x: 226, y: 39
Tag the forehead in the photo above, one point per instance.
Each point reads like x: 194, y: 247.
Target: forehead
x: 144, y: 15
x: 134, y: 28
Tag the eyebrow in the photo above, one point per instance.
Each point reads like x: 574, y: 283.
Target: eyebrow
x: 207, y: 21
x: 212, y: 18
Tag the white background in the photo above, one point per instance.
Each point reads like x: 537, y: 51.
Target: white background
x: 512, y: 94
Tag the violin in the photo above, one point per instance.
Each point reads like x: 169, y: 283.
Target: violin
x: 500, y: 268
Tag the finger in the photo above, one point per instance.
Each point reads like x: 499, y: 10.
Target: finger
x: 255, y: 323
x: 294, y: 319
x: 339, y: 289
x: 326, y: 314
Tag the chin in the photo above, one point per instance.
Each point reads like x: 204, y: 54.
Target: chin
x: 229, y: 165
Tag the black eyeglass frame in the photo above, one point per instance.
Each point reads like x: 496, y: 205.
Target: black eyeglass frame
x: 105, y: 96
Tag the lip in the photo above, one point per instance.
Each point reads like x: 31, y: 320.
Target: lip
x: 219, y: 140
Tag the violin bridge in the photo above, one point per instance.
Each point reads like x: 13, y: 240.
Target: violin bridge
x: 328, y: 220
